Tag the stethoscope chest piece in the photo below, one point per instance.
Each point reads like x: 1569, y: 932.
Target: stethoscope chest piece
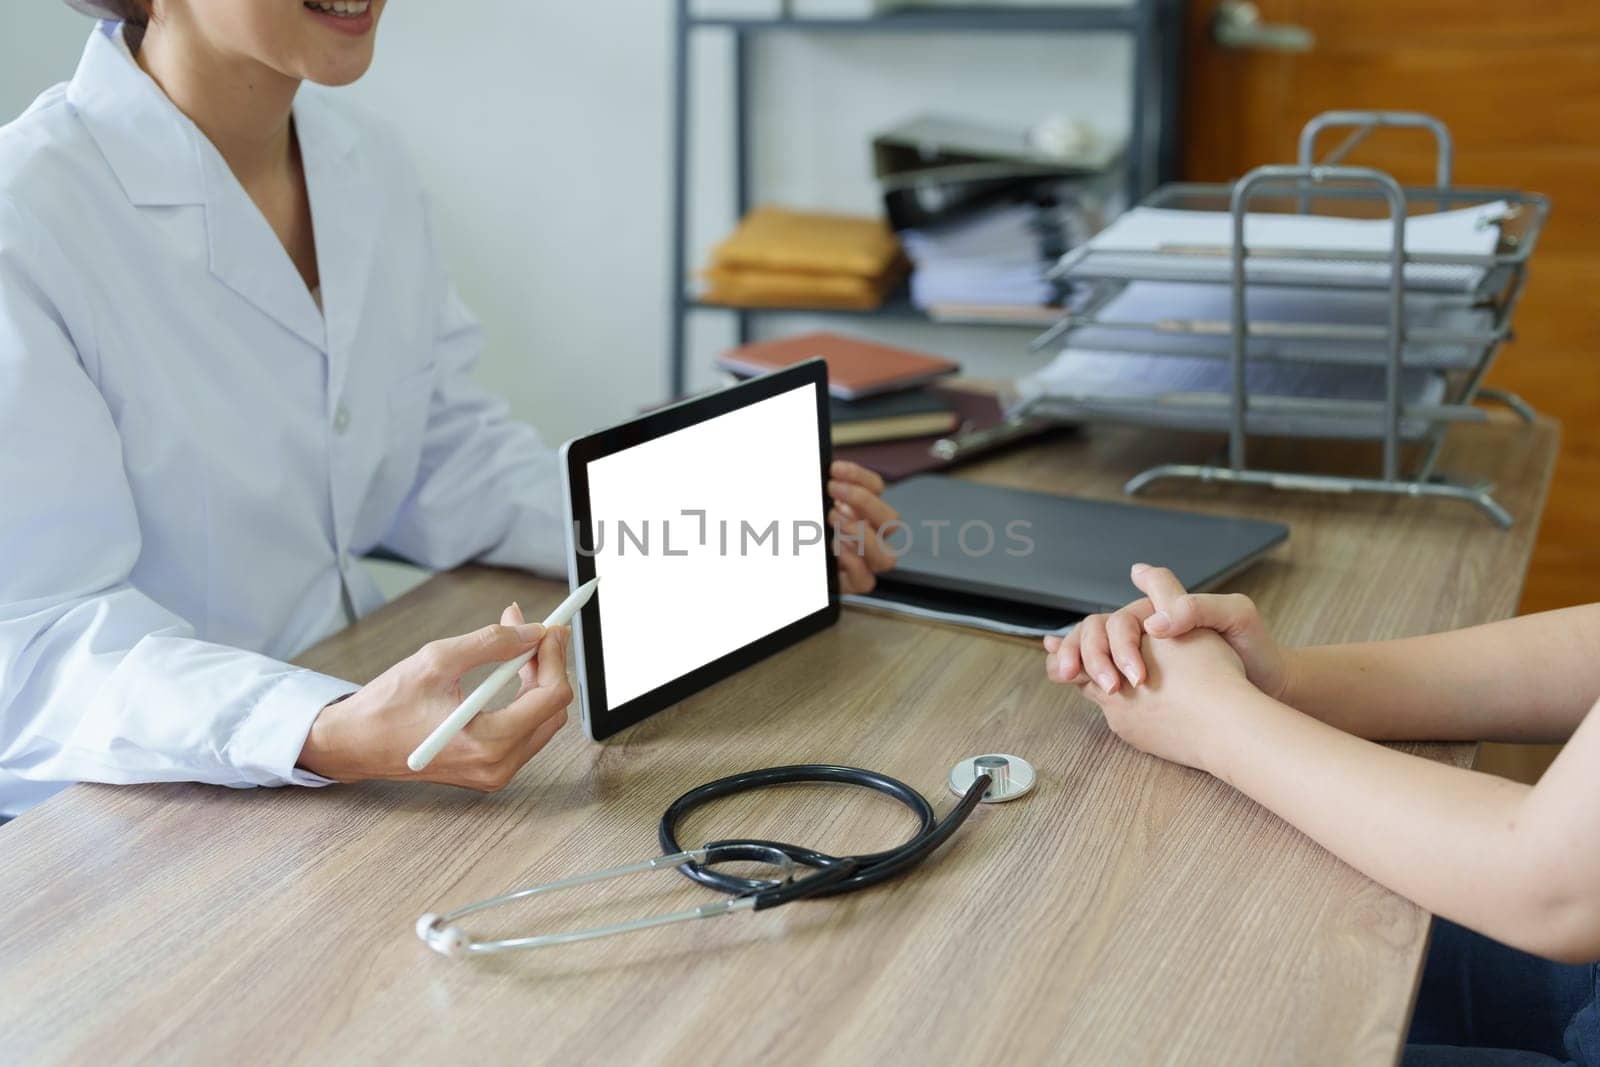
x: 1011, y: 776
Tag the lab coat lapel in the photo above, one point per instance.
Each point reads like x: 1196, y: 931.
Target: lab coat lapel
x: 345, y: 212
x: 162, y: 159
x: 248, y: 258
x: 151, y: 146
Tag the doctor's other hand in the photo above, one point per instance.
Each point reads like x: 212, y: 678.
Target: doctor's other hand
x: 1105, y: 649
x: 370, y: 733
x: 859, y: 517
x: 1187, y: 708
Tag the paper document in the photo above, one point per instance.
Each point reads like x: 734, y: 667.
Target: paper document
x: 994, y: 257
x: 1197, y: 319
x: 1164, y: 244
x: 1188, y: 393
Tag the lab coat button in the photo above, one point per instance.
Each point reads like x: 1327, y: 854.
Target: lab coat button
x: 341, y: 419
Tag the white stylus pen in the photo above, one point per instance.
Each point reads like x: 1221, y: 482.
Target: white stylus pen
x: 491, y: 685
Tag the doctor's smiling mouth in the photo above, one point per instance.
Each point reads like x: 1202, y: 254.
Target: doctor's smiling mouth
x: 355, y: 17
x: 327, y: 42
x: 356, y: 21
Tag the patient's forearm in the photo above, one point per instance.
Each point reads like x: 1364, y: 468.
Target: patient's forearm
x: 1525, y: 679
x: 1515, y: 863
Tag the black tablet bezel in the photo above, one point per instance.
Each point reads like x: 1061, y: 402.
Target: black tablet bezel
x: 602, y: 721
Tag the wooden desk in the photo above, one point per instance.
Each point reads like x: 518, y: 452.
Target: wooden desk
x: 1128, y: 911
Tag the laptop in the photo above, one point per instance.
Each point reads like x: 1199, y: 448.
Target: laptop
x: 1035, y: 563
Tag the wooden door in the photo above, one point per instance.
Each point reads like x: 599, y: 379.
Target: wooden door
x: 1519, y: 86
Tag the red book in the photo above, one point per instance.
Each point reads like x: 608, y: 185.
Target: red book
x: 856, y: 368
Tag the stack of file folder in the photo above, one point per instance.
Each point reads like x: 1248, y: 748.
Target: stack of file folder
x: 984, y: 212
x: 1354, y: 308
x: 1193, y: 393
x: 1155, y: 345
x: 1000, y: 256
x: 1186, y: 318
x: 1152, y: 243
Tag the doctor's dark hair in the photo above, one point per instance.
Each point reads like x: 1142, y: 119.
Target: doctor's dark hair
x: 133, y: 12
x: 135, y: 15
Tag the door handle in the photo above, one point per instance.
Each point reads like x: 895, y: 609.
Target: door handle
x: 1236, y: 24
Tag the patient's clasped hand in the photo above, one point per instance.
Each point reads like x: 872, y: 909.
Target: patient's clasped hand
x: 1197, y: 679
x: 1204, y: 644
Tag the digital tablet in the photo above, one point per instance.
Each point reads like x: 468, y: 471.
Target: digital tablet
x: 706, y: 523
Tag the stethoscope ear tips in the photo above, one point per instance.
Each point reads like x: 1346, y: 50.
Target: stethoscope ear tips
x: 446, y: 942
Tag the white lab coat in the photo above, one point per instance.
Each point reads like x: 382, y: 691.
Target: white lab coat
x: 193, y: 456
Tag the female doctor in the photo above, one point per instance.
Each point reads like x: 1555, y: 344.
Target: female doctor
x: 231, y: 363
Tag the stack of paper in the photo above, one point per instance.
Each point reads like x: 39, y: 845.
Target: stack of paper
x: 1197, y: 319
x: 1161, y: 244
x: 996, y: 257
x: 1196, y: 393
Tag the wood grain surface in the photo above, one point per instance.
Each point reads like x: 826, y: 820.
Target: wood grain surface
x: 1127, y: 911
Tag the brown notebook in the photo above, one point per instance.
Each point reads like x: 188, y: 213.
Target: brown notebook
x: 977, y: 411
x: 856, y: 368
x: 907, y: 413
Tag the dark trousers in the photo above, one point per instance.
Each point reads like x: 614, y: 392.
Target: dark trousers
x: 1483, y: 1003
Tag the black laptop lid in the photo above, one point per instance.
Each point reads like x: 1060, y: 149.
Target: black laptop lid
x: 1058, y: 552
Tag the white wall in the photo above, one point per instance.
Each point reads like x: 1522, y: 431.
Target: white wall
x: 39, y: 46
x: 542, y: 127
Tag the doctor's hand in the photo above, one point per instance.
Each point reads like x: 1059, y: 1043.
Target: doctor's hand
x: 1105, y: 649
x: 370, y: 733
x: 859, y: 516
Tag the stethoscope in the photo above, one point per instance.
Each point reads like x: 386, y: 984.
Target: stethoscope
x: 981, y: 779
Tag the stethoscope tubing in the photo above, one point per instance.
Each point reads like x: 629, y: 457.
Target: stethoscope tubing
x: 832, y: 875
x: 850, y: 873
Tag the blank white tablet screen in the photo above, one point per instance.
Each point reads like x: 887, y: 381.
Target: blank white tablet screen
x: 707, y: 539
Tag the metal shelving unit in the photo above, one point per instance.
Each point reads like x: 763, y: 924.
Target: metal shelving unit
x: 1154, y: 25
